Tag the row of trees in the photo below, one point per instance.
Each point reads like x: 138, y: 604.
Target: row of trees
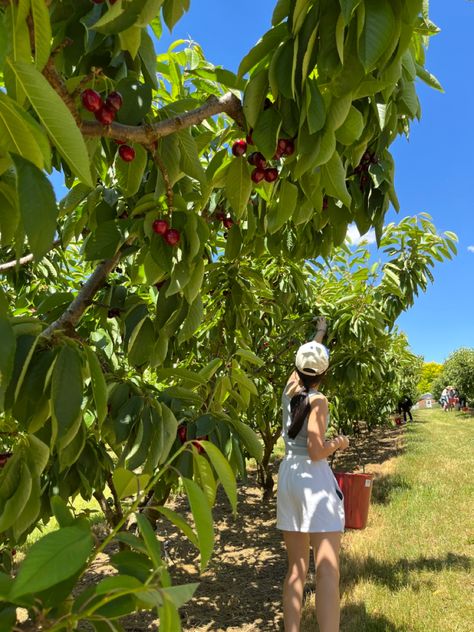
x: 132, y: 363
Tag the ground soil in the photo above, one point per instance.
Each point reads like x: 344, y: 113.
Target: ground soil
x: 241, y: 589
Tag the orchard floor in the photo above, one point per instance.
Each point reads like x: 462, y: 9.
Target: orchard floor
x: 241, y: 589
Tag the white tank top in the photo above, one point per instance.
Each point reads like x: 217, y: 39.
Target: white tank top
x: 299, y: 445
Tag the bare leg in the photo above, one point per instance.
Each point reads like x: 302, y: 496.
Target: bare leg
x: 297, y: 548
x: 326, y: 548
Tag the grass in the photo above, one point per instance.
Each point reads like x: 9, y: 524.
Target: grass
x: 410, y: 570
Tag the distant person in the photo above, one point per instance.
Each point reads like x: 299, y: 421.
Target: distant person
x: 404, y: 406
x: 462, y: 401
x: 310, y: 505
x: 444, y: 399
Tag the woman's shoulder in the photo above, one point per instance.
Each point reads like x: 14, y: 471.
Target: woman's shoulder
x: 316, y: 398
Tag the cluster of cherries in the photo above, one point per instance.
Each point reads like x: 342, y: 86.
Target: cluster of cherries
x: 105, y: 112
x: 227, y: 221
x: 285, y: 147
x: 170, y: 235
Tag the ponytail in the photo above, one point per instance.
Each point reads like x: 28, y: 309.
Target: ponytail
x: 299, y: 404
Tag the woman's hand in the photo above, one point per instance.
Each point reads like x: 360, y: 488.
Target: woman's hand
x: 321, y: 328
x: 343, y: 442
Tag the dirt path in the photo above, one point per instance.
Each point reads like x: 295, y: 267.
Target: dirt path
x: 241, y: 589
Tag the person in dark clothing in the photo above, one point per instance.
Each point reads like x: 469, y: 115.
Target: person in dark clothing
x: 404, y: 406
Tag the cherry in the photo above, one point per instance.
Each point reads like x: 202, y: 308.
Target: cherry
x: 257, y: 160
x: 120, y: 142
x: 105, y: 115
x: 182, y: 434
x: 115, y: 100
x: 160, y: 226
x: 249, y: 138
x: 228, y: 222
x: 257, y: 175
x: 278, y: 154
x: 220, y: 216
x: 271, y: 175
x: 126, y: 153
x: 91, y: 100
x: 172, y: 236
x: 239, y: 148
x: 290, y: 147
x: 198, y: 446
x: 282, y: 145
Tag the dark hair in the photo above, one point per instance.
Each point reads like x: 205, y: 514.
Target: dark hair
x: 299, y: 404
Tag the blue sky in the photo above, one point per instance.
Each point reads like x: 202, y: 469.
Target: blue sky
x: 434, y: 168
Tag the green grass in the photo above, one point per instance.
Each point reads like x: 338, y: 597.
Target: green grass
x: 410, y: 570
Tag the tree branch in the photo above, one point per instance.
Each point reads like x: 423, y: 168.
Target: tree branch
x: 147, y: 134
x: 26, y: 259
x: 71, y: 316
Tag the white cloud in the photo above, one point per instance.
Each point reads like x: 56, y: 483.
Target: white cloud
x: 470, y: 248
x: 355, y: 238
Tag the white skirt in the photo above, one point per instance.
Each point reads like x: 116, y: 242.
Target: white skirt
x: 308, y: 497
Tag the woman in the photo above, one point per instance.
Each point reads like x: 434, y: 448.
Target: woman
x: 310, y: 509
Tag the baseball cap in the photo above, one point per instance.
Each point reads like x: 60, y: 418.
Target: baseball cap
x: 312, y: 358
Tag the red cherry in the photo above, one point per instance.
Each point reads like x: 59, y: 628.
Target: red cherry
x: 239, y: 148
x: 290, y: 147
x: 91, y: 100
x: 278, y: 154
x: 115, y: 100
x: 271, y: 174
x: 228, y: 222
x: 257, y: 175
x: 105, y: 115
x: 160, y: 226
x: 282, y: 145
x: 126, y: 153
x: 120, y: 142
x: 182, y: 434
x: 198, y: 446
x: 249, y: 138
x: 220, y: 216
x: 257, y: 160
x: 172, y: 236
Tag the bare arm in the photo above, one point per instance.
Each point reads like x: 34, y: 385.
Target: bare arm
x: 318, y: 447
x: 321, y: 329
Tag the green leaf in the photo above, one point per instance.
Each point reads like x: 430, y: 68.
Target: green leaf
x: 173, y: 10
x: 193, y: 286
x: 238, y: 185
x: 51, y: 560
x: 315, y: 107
x: 42, y: 32
x: 99, y: 386
x: 347, y: 9
x: 130, y: 40
x: 286, y: 205
x: 376, y: 36
x: 250, y: 356
x: 192, y: 320
x: 130, y: 174
x: 39, y: 211
x: 104, y: 242
x: 61, y: 512
x: 267, y: 131
x: 428, y: 78
x: 267, y: 43
x: 224, y: 472
x: 169, y: 428
x: 234, y: 242
x: 204, y: 475
x: 189, y: 161
x: 334, y: 179
x: 7, y: 355
x: 254, y: 96
x: 66, y: 389
x: 119, y: 17
x: 249, y: 438
x: 141, y: 343
x: 202, y: 519
x: 352, y: 128
x: 16, y: 131
x: 127, y: 483
x: 55, y: 118
x: 151, y: 541
x: 180, y: 595
x: 180, y: 522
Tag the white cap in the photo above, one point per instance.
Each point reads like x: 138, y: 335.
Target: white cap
x: 312, y: 358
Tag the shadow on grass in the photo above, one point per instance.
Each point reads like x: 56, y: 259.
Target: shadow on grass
x: 355, y: 618
x: 385, y: 487
x: 398, y: 574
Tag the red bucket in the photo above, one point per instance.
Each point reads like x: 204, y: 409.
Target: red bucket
x: 357, y: 489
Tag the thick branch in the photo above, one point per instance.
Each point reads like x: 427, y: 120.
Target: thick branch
x: 24, y: 260
x: 147, y: 134
x: 71, y: 316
